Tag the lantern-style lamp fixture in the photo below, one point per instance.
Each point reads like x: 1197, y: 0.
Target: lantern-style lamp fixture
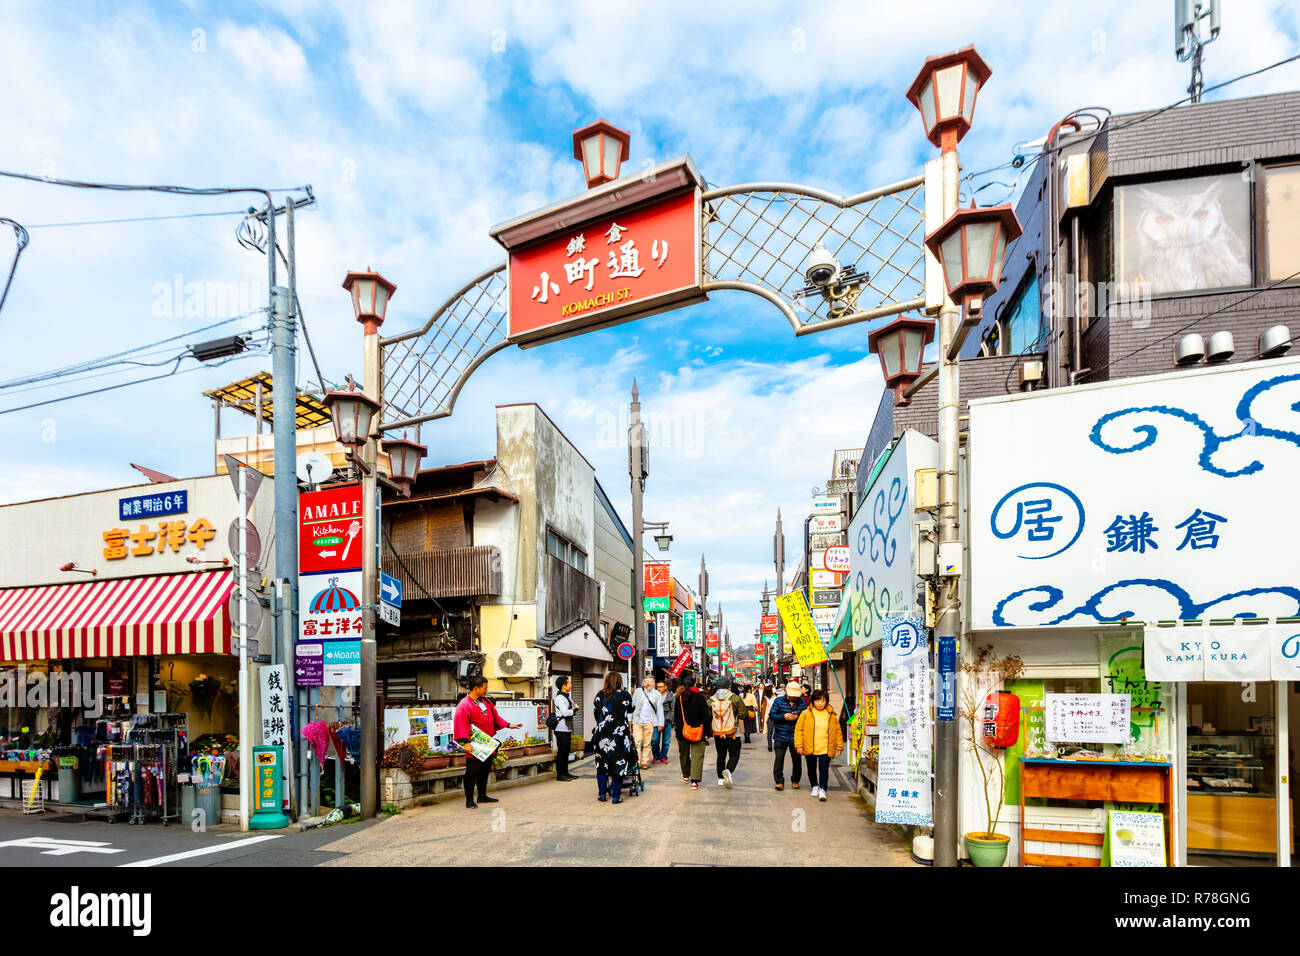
x: 971, y: 246
x: 663, y: 540
x: 901, y: 347
x: 352, y: 412
x: 370, y: 294
x: 405, y: 456
x: 945, y: 90
x: 601, y: 148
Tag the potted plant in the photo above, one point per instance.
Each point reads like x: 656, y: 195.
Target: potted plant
x: 431, y: 760
x: 985, y: 672
x: 535, y: 746
x: 455, y: 754
x: 404, y: 757
x: 512, y: 748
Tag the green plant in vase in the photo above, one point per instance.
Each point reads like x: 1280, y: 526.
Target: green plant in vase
x: 985, y: 672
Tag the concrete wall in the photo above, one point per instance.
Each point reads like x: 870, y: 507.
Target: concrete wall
x: 613, y: 567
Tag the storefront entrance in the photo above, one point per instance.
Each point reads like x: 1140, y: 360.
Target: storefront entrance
x: 1236, y: 771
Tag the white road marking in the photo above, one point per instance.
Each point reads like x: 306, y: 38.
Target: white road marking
x: 204, y: 851
x: 51, y: 847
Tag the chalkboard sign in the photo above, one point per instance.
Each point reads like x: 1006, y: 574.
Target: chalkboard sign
x: 1088, y: 718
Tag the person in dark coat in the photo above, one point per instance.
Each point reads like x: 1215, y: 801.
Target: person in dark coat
x: 783, y: 715
x: 691, y: 715
x: 612, y: 738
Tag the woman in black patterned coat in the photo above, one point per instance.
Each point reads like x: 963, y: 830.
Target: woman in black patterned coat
x: 612, y: 738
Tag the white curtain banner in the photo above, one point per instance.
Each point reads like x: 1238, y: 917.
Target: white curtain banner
x: 1238, y: 652
x: 1174, y: 653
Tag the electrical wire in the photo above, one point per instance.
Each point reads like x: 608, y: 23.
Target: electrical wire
x: 109, y: 222
x: 21, y: 237
x: 174, y: 190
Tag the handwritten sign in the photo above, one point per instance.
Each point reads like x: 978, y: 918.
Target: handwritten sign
x: 1088, y: 718
x: 869, y: 710
x: 801, y: 629
x: 1135, y: 839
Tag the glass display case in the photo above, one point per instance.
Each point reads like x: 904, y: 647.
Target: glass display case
x: 1234, y: 764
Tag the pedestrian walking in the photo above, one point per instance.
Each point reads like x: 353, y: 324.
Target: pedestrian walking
x: 692, y: 724
x: 477, y: 710
x: 817, y: 736
x: 751, y: 712
x: 647, y: 718
x: 769, y: 697
x: 565, y: 711
x: 783, y: 715
x: 612, y: 738
x: 725, y: 709
x: 664, y: 735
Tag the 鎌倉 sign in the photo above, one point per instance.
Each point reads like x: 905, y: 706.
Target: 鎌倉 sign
x: 612, y: 269
x: 1146, y: 498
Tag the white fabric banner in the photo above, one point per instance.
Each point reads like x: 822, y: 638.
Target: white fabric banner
x: 903, y: 789
x: 1238, y: 652
x: 1286, y: 651
x: 1174, y: 653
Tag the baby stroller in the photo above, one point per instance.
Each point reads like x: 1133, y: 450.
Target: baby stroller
x: 633, y: 785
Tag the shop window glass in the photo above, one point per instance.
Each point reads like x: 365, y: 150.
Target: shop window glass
x: 1022, y: 327
x: 1184, y: 234
x: 1282, y: 221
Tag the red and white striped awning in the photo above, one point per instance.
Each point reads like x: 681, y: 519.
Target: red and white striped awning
x: 167, y: 614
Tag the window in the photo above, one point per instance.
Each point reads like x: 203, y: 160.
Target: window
x: 1021, y: 328
x: 1182, y: 235
x: 1282, y: 221
x: 560, y: 547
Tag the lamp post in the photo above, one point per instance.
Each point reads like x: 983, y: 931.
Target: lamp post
x: 638, y: 469
x: 944, y: 92
x: 355, y: 419
x: 901, y: 347
x: 601, y: 148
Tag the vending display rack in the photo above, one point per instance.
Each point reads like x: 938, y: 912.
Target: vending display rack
x: 140, y: 769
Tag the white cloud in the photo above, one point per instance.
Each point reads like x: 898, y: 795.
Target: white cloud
x: 265, y: 54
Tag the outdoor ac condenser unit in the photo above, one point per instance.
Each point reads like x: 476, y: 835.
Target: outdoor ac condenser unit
x: 518, y: 662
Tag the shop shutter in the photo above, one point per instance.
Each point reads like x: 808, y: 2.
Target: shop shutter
x: 579, y: 718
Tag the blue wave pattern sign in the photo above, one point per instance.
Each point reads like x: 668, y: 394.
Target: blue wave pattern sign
x: 1146, y: 499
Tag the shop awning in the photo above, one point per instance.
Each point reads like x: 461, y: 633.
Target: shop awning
x: 166, y: 614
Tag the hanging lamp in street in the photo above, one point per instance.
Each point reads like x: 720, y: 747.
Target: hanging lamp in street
x: 945, y: 90
x: 970, y: 247
x: 370, y: 294
x: 601, y: 148
x: 352, y: 412
x: 405, y: 456
x: 901, y: 347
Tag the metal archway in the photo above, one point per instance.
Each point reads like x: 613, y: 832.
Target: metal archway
x: 756, y: 238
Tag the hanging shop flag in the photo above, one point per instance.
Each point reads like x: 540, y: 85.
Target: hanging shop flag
x: 682, y: 662
x: 768, y: 624
x: 801, y: 629
x: 711, y: 643
x: 275, y: 705
x: 1213, y: 652
x: 691, y: 627
x: 658, y: 581
x: 903, y: 793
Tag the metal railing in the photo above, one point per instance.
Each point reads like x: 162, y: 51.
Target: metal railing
x: 570, y: 595
x: 454, y: 572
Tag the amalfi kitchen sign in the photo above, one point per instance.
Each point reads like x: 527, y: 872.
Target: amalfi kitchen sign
x: 606, y: 256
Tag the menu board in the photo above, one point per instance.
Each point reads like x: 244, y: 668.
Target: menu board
x: 1134, y: 839
x: 1088, y: 718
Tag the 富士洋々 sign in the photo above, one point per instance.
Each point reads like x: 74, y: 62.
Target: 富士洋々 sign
x: 903, y: 788
x: 1146, y: 498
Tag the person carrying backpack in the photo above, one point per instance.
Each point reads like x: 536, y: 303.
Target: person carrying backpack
x: 725, y: 710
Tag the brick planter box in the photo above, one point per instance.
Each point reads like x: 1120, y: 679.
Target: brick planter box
x: 434, y: 786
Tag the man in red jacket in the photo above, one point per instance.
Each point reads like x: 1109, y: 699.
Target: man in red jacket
x: 477, y: 710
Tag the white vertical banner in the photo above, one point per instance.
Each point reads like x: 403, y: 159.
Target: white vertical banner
x: 275, y: 705
x: 903, y: 791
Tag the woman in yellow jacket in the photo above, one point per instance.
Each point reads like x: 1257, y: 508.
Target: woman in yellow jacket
x: 817, y: 736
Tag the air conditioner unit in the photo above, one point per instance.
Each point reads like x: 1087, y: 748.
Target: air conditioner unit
x: 517, y: 662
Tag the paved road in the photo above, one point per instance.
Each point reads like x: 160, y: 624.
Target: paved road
x: 543, y: 823
x: 562, y: 823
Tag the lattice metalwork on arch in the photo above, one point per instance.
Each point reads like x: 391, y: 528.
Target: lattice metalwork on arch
x: 756, y: 238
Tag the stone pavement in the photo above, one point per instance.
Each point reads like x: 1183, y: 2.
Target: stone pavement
x: 563, y: 823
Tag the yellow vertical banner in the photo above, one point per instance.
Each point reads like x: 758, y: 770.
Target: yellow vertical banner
x: 800, y: 629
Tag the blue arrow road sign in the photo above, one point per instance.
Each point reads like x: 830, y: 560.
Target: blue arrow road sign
x: 390, y: 590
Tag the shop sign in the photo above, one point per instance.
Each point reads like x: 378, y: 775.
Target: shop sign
x: 829, y: 597
x: 152, y: 506
x: 825, y: 615
x: 820, y: 542
x: 608, y: 270
x: 827, y: 506
x: 658, y: 580
x: 329, y: 529
x: 656, y: 604
x: 869, y: 710
x: 342, y: 663
x: 768, y: 624
x: 691, y: 627
x: 823, y: 579
x: 682, y: 662
x: 946, y: 705
x: 1144, y: 498
x: 329, y: 605
x: 903, y: 789
x: 801, y: 632
x: 267, y: 765
x: 1134, y: 839
x: 711, y: 643
x: 1231, y: 652
x: 663, y: 635
x: 824, y: 524
x: 146, y: 540
x: 1088, y: 718
x: 309, y: 664
x: 275, y: 705
x: 838, y: 558
x: 882, y: 580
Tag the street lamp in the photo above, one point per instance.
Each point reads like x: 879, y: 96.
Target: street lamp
x: 663, y: 539
x: 601, y: 148
x: 944, y: 91
x: 970, y: 247
x: 353, y: 413
x: 405, y: 456
x: 901, y: 347
x: 370, y: 294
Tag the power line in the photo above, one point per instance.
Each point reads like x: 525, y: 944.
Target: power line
x: 21, y: 237
x: 109, y: 222
x: 174, y: 190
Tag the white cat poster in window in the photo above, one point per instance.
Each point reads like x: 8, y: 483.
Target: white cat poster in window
x: 1184, y: 234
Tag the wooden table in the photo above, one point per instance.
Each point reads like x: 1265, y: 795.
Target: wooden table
x: 1118, y: 781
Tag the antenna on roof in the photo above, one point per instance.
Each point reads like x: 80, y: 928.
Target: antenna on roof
x: 1188, y: 42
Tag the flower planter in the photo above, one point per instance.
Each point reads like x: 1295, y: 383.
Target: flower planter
x: 987, y: 849
x: 536, y: 750
x: 434, y: 763
x: 457, y: 760
x: 514, y: 752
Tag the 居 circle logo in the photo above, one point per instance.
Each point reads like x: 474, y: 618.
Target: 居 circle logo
x: 1045, y: 519
x: 1291, y: 647
x: 78, y: 910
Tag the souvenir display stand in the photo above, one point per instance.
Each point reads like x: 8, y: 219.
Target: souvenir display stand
x: 140, y: 763
x: 1096, y: 781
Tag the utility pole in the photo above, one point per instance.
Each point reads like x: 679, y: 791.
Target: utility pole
x: 638, y: 468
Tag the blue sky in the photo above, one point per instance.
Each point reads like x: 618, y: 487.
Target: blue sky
x: 420, y: 126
